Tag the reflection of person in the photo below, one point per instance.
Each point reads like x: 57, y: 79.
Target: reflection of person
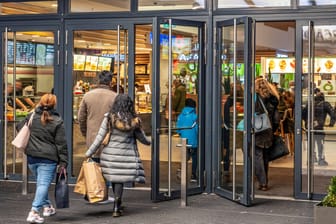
x: 120, y: 159
x: 322, y: 108
x: 227, y: 124
x: 178, y: 97
x: 188, y: 118
x: 47, y: 148
x: 92, y: 108
x: 287, y: 120
x: 264, y: 140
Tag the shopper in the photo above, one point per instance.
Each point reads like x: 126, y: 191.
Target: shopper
x: 264, y: 140
x: 179, y: 96
x: 120, y: 159
x: 93, y: 106
x: 322, y: 108
x: 47, y: 149
x: 187, y: 122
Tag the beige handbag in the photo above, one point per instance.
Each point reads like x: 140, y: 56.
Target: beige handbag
x: 22, y: 138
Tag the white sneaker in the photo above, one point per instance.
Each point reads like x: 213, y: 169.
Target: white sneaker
x: 49, y: 211
x: 34, y: 217
x: 108, y: 201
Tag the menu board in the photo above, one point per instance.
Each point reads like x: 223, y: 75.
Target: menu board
x: 287, y: 65
x: 50, y: 52
x: 91, y: 63
x: 25, y: 53
x: 79, y: 62
x: 40, y: 54
x: 104, y: 63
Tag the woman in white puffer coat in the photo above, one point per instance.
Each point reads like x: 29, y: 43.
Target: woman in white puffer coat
x: 120, y: 160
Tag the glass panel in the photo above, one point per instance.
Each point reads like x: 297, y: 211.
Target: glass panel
x: 27, y: 79
x: 145, y: 5
x: 316, y: 2
x: 232, y: 109
x: 275, y: 60
x: 318, y: 109
x: 253, y: 4
x: 185, y: 73
x: 100, y: 5
x: 37, y: 7
x: 143, y: 91
x: 95, y: 51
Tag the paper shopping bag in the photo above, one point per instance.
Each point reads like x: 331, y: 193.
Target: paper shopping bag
x: 80, y: 186
x: 96, y: 189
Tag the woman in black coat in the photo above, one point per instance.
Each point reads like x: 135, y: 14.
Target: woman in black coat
x: 266, y: 92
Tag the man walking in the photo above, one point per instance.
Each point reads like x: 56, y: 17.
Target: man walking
x: 93, y: 106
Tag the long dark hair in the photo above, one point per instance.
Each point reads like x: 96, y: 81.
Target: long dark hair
x: 123, y: 108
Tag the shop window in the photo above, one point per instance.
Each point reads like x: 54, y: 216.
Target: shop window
x: 100, y: 5
x: 253, y: 4
x: 316, y: 2
x: 147, y: 5
x: 28, y: 7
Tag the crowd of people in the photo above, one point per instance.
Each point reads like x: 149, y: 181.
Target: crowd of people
x: 119, y: 158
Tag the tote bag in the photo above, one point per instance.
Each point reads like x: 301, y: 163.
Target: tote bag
x: 278, y: 149
x: 62, y: 190
x: 22, y: 138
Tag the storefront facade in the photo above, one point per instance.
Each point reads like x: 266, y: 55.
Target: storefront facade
x: 150, y: 46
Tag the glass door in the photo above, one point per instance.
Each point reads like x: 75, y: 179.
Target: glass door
x: 178, y: 53
x: 30, y: 61
x: 90, y: 51
x: 234, y: 157
x: 316, y: 90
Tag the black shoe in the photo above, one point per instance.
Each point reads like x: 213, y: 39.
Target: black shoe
x: 116, y: 208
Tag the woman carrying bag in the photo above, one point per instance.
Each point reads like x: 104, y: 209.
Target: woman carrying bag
x: 46, y: 149
x: 268, y: 98
x: 120, y: 160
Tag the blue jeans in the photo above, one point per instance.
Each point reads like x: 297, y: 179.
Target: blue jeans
x: 45, y: 173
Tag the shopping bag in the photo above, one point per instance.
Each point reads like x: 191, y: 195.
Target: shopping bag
x: 80, y: 184
x: 21, y: 139
x: 278, y: 149
x: 62, y: 189
x: 96, y: 189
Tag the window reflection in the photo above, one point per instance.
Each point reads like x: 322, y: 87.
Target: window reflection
x: 252, y: 4
x: 20, y: 8
x: 146, y: 5
x: 100, y: 6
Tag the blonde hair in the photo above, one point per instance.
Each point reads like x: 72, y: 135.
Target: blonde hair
x: 47, y: 102
x: 265, y: 89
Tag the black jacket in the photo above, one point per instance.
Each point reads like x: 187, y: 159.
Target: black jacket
x: 265, y: 139
x: 322, y: 108
x: 47, y: 141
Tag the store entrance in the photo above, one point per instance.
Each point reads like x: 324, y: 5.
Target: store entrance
x: 29, y: 67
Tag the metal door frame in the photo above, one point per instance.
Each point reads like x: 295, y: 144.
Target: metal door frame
x: 247, y: 196
x: 171, y: 194
x: 298, y: 193
x: 49, y: 26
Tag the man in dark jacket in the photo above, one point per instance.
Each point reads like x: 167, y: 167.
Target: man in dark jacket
x: 322, y: 108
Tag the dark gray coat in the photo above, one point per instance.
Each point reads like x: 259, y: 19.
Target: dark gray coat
x: 47, y: 141
x: 120, y: 159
